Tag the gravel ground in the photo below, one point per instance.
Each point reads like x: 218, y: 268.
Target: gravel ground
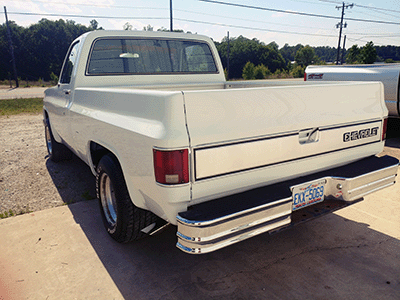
x: 29, y: 181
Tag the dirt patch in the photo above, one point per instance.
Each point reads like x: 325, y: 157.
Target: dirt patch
x: 29, y: 181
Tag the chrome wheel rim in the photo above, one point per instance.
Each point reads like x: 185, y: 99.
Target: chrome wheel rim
x: 48, y: 140
x: 108, y: 200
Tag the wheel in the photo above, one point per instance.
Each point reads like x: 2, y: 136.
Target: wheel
x: 57, y: 151
x: 123, y: 220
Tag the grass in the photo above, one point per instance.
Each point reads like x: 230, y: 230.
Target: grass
x: 11, y: 213
x: 87, y: 196
x: 21, y: 106
x: 26, y: 83
x: 7, y: 214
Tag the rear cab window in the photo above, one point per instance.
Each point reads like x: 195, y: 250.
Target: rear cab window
x: 127, y: 56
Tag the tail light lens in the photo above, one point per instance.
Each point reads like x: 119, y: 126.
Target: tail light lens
x: 171, y: 167
x: 384, y: 128
x: 305, y: 76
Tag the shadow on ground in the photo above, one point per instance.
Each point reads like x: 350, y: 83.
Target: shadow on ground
x: 73, y: 180
x: 328, y: 258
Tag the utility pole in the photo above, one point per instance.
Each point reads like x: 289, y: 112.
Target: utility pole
x: 11, y: 48
x: 228, y: 59
x: 170, y: 16
x: 340, y: 26
x: 343, y: 49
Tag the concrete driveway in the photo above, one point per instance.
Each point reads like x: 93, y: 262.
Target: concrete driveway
x: 21, y: 92
x: 64, y: 253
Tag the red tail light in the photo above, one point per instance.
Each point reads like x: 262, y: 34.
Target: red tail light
x: 171, y: 167
x: 384, y: 128
x: 305, y: 76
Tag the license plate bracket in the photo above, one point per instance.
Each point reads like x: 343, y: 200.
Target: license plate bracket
x: 308, y: 193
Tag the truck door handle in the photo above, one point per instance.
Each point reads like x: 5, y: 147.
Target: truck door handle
x: 66, y: 91
x: 309, y: 136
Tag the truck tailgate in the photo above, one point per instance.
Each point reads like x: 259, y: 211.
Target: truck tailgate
x: 292, y: 130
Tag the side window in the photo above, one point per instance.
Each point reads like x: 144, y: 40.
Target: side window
x: 69, y: 64
x: 200, y: 59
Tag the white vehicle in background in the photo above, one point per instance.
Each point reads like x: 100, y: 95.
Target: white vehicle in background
x: 388, y: 74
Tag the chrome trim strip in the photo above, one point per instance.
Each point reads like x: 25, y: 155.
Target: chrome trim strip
x: 226, y: 218
x: 372, y: 183
x: 372, y: 191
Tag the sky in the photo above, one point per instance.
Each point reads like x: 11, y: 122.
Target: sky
x: 267, y: 21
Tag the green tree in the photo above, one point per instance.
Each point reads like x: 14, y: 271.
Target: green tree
x: 17, y: 36
x: 248, y: 71
x: 46, y: 44
x: 243, y: 50
x: 261, y: 72
x: 388, y: 52
x: 298, y: 71
x: 353, y: 55
x: 274, y: 46
x: 368, y: 53
x: 148, y: 28
x: 127, y: 26
x: 289, y: 52
x: 327, y: 54
x: 305, y: 56
x: 40, y: 48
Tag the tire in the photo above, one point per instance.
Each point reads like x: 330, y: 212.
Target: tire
x: 122, y: 219
x: 57, y: 151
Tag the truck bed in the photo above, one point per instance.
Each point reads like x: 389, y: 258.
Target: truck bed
x: 240, y: 137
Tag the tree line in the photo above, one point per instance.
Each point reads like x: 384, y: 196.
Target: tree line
x: 40, y: 49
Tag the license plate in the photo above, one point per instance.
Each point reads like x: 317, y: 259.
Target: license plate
x: 308, y: 194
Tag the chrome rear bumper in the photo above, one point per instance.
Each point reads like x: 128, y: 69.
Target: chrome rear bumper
x: 212, y: 225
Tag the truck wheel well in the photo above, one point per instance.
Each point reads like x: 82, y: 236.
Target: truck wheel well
x: 97, y: 152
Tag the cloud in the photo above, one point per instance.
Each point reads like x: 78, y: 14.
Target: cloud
x: 119, y: 24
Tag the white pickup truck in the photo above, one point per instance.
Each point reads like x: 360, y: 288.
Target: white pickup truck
x: 169, y: 140
x: 388, y: 74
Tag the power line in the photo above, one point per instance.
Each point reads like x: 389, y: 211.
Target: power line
x: 248, y: 20
x: 297, y: 13
x: 86, y: 16
x: 94, y: 5
x: 310, y: 2
x: 374, y: 34
x: 164, y: 18
x: 190, y: 21
x: 364, y: 6
x: 270, y: 9
x: 181, y: 10
x: 178, y: 10
x: 239, y: 5
x: 379, y: 12
x: 377, y: 8
x: 254, y: 28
